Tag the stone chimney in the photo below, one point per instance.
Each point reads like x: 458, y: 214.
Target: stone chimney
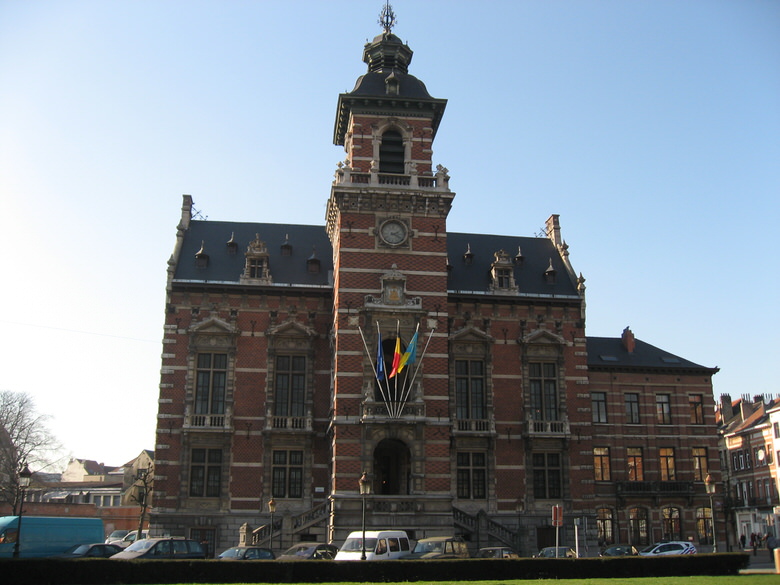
x: 629, y: 342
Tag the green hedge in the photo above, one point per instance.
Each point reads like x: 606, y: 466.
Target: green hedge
x: 106, y: 571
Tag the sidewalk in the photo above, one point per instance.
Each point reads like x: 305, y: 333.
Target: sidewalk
x: 759, y: 563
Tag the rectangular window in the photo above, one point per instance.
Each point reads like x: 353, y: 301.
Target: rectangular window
x: 290, y: 385
x: 205, y: 473
x: 696, y: 402
x: 663, y: 409
x: 632, y: 409
x: 472, y: 475
x: 544, y: 391
x: 211, y: 377
x: 503, y: 279
x: 666, y: 455
x: 598, y: 402
x: 699, y: 463
x: 287, y: 474
x: 470, y: 389
x: 547, y: 476
x: 636, y: 466
x: 601, y: 464
x: 776, y: 427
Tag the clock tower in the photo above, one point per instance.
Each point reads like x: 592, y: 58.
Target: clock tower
x: 386, y: 220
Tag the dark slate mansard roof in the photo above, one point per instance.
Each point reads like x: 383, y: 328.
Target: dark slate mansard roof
x: 225, y: 267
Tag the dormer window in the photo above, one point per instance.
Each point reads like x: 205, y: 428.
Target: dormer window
x: 201, y: 258
x: 257, y: 265
x: 549, y: 274
x: 286, y: 246
x: 502, y: 271
x: 391, y: 153
x: 232, y: 246
x: 313, y: 263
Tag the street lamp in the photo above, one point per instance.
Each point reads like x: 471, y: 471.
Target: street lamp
x: 365, y: 489
x: 24, y: 482
x: 710, y: 485
x: 272, y: 509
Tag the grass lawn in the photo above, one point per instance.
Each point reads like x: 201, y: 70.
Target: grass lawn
x: 753, y: 579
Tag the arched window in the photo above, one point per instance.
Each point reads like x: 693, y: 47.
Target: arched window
x: 391, y: 153
x: 672, y: 523
x: 637, y: 526
x: 704, y: 525
x: 605, y: 524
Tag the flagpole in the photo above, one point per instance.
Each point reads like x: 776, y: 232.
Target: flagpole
x: 373, y: 368
x: 419, y: 362
x: 385, y: 397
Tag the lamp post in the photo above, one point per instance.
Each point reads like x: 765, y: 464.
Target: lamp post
x: 710, y: 485
x: 24, y: 482
x: 365, y: 489
x: 272, y: 509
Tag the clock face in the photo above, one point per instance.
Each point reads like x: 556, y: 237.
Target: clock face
x: 393, y: 232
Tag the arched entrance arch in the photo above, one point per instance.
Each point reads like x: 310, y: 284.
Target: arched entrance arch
x: 392, y: 468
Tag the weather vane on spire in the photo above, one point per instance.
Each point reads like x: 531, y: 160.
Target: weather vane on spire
x: 387, y: 17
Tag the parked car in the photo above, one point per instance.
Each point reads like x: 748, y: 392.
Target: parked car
x: 440, y: 547
x: 163, y: 548
x: 309, y: 551
x: 129, y: 538
x: 674, y: 547
x: 550, y: 553
x: 247, y: 553
x: 379, y: 545
x: 99, y: 550
x: 116, y: 535
x: 497, y: 552
x: 618, y: 550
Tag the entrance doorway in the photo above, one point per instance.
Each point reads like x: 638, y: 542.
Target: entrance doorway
x: 391, y: 468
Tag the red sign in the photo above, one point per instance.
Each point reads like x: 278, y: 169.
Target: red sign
x: 557, y: 515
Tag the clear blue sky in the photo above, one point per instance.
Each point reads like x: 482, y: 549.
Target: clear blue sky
x: 651, y: 127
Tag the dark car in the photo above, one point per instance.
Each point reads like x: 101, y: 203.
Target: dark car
x: 497, y: 552
x: 550, y: 553
x: 440, y: 547
x: 163, y: 548
x: 619, y: 550
x: 247, y: 553
x: 304, y: 551
x: 98, y: 550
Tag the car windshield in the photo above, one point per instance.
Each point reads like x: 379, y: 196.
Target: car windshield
x: 77, y: 549
x: 299, y: 551
x: 141, y: 545
x: 356, y: 544
x: 231, y: 553
x: 427, y: 547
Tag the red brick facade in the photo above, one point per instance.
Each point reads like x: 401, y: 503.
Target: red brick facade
x: 269, y: 388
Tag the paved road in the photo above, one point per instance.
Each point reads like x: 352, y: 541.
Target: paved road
x: 760, y: 562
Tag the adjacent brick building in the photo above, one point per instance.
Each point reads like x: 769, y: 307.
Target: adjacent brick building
x: 279, y: 375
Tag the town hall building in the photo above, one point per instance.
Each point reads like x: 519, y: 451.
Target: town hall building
x: 380, y: 366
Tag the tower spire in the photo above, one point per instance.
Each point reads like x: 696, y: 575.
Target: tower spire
x: 387, y: 17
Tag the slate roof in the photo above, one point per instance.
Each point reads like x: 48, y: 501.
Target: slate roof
x: 529, y: 275
x: 224, y: 267
x: 610, y: 353
x: 473, y: 278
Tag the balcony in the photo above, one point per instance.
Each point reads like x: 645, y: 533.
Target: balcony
x: 290, y: 423
x: 474, y: 425
x: 215, y: 422
x: 547, y: 428
x: 436, y: 182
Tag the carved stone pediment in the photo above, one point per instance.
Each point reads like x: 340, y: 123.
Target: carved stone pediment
x: 291, y: 328
x: 213, y: 333
x: 542, y: 336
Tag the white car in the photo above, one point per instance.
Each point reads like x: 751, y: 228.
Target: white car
x: 675, y: 547
x: 130, y: 538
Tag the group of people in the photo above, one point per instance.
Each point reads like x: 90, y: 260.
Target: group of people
x: 760, y: 541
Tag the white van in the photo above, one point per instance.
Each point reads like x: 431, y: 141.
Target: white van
x: 380, y: 545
